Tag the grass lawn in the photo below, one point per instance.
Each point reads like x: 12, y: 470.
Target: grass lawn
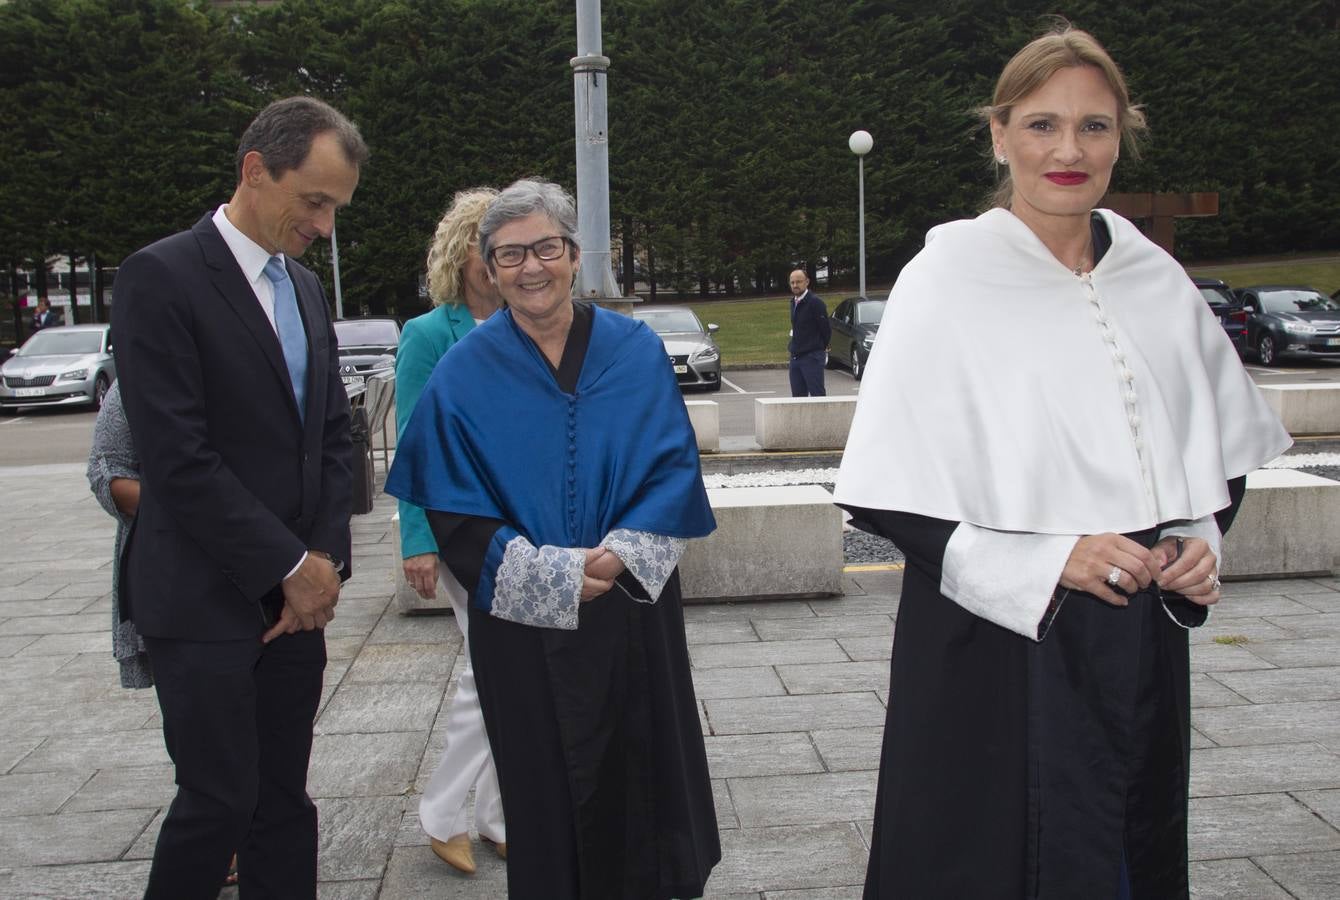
x: 1322, y: 275
x: 754, y: 331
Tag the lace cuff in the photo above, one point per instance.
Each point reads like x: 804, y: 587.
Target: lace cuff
x: 540, y: 587
x: 1181, y: 610
x: 648, y: 556
x: 1009, y: 578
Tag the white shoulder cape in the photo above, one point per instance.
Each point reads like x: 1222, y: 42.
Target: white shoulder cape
x: 1005, y: 391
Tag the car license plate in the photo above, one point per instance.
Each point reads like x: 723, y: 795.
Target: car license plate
x: 1333, y: 342
x: 681, y: 370
x: 352, y: 379
x: 29, y: 392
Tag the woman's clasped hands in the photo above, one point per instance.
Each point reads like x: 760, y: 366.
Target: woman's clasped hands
x: 602, y: 567
x: 1111, y: 566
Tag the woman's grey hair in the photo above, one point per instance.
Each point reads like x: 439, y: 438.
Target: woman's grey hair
x: 527, y: 197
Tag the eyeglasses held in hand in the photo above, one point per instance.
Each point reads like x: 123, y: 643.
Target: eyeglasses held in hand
x: 509, y: 256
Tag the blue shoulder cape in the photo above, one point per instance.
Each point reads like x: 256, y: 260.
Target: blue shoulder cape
x: 493, y: 436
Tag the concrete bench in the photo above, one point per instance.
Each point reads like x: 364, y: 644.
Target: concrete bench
x: 1288, y: 524
x: 705, y: 417
x: 770, y: 542
x: 1305, y: 408
x: 803, y: 423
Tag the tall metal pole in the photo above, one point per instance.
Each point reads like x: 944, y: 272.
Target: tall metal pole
x: 595, y: 281
x: 860, y: 191
x: 860, y: 143
x: 335, y: 264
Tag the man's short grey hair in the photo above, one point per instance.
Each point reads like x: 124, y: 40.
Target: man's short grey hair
x: 527, y: 197
x: 283, y: 133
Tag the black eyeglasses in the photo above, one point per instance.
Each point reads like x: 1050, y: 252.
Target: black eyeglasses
x: 509, y: 256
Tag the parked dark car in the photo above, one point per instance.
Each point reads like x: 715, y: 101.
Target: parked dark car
x: 693, y: 352
x: 1290, y: 321
x: 1225, y: 304
x: 367, y: 346
x: 66, y: 365
x: 855, y: 323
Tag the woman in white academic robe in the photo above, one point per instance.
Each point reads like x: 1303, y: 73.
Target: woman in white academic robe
x: 1058, y: 474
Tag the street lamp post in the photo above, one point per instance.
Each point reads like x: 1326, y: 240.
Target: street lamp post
x: 860, y: 143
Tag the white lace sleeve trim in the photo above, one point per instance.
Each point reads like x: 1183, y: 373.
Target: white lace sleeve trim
x: 648, y: 556
x: 1005, y: 577
x: 1206, y: 528
x: 540, y: 587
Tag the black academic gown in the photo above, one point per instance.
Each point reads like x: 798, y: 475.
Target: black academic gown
x: 1021, y: 769
x: 594, y: 732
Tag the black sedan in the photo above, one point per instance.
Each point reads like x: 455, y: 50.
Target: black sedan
x: 1225, y: 304
x: 854, y: 323
x: 367, y: 346
x: 1290, y: 321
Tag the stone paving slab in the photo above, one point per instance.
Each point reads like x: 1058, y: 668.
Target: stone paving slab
x: 747, y: 681
x: 1233, y: 879
x: 1324, y: 803
x: 1272, y: 768
x: 849, y: 749
x: 1285, y: 685
x: 792, y: 857
x: 766, y: 715
x: 138, y: 787
x: 1307, y: 876
x: 803, y: 799
x: 1254, y: 825
x: 70, y: 837
x: 81, y: 881
x: 1299, y: 653
x: 739, y: 755
x: 766, y: 653
x: 1271, y: 723
x: 834, y: 678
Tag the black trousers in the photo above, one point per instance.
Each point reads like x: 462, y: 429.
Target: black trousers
x: 237, y: 720
x: 807, y: 374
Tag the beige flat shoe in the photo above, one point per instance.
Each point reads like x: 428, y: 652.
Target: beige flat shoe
x: 455, y: 852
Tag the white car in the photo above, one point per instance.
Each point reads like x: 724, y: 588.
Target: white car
x: 64, y: 366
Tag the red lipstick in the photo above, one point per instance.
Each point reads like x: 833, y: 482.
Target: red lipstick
x: 1066, y: 178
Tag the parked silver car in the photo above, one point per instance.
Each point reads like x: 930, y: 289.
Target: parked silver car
x: 692, y: 350
x: 63, y: 366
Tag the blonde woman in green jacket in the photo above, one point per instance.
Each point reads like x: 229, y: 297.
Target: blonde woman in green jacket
x: 462, y: 296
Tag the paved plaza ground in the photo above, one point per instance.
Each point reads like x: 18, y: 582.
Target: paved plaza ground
x: 792, y: 701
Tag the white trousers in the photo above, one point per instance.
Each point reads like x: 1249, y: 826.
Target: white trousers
x: 466, y: 761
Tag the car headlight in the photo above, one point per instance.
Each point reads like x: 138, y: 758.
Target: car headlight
x: 706, y: 354
x: 868, y: 341
x: 1299, y: 328
x: 74, y: 375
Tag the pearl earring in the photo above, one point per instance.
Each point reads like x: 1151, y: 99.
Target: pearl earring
x: 1000, y: 160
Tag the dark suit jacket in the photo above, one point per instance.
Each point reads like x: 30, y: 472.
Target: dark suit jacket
x: 234, y: 486
x: 809, y: 325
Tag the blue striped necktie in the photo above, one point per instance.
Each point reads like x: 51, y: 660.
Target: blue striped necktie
x: 289, y: 325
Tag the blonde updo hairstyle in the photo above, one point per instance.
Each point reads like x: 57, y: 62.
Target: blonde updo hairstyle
x: 1061, y: 48
x: 456, y: 234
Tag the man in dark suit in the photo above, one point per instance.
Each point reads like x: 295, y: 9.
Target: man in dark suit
x: 229, y: 374
x: 810, y: 332
x: 44, y: 317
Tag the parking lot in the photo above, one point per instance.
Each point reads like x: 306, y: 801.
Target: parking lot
x: 40, y: 436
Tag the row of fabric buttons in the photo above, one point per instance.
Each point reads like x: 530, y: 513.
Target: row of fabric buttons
x: 572, y: 463
x: 1127, y: 379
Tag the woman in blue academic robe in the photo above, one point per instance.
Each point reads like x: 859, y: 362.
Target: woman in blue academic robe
x: 555, y: 458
